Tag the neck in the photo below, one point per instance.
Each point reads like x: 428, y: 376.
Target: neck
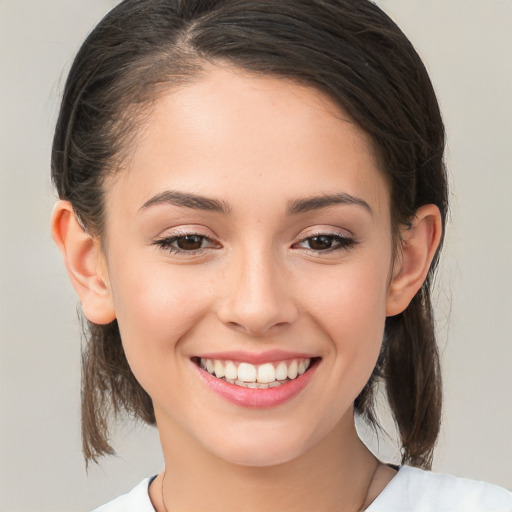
x: 336, y: 474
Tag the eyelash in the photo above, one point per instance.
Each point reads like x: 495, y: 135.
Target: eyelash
x: 341, y: 242
x: 167, y: 243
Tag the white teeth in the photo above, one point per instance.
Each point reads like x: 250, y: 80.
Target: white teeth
x: 231, y: 371
x: 281, y: 371
x: 255, y: 385
x: 256, y: 376
x: 293, y: 370
x: 266, y: 373
x: 219, y: 369
x: 247, y: 372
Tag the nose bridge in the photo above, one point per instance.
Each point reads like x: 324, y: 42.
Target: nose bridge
x: 256, y: 297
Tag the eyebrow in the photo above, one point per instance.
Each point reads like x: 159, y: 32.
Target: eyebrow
x: 188, y: 201
x: 323, y: 201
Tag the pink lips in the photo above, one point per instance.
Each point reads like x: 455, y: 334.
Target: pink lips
x: 257, y: 398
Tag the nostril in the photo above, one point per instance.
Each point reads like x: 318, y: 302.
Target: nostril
x: 255, y: 328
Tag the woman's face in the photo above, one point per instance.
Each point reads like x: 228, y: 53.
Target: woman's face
x: 250, y: 234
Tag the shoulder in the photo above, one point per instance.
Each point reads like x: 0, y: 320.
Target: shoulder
x: 137, y: 500
x: 415, y: 490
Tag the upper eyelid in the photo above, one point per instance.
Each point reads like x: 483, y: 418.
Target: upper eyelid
x: 178, y: 231
x: 177, y: 236
x: 165, y: 244
x: 342, y: 233
x: 345, y: 242
x: 331, y: 235
x: 212, y: 237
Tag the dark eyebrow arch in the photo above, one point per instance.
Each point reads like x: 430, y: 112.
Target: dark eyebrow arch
x: 323, y: 201
x: 188, y: 200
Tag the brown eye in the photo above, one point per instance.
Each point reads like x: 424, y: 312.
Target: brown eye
x: 320, y: 243
x: 325, y: 243
x: 186, y: 244
x: 189, y: 242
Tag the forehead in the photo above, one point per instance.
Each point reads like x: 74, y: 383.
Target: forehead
x: 235, y: 135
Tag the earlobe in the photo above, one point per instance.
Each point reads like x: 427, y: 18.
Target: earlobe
x: 420, y: 242
x: 85, y: 264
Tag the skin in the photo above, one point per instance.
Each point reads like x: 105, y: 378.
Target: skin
x: 255, y: 145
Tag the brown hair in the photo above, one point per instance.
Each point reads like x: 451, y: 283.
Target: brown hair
x: 348, y: 49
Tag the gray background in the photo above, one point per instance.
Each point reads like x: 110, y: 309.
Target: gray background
x: 467, y: 45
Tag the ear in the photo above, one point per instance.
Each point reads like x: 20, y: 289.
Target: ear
x: 85, y: 264
x: 419, y: 244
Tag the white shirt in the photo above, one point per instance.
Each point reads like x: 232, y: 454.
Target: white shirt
x: 411, y: 490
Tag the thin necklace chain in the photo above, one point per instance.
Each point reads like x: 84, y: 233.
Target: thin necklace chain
x: 360, y: 509
x: 162, y: 489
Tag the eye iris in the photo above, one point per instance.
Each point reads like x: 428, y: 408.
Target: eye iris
x: 190, y: 242
x: 319, y: 243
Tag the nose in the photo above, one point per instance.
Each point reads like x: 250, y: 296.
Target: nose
x: 257, y: 297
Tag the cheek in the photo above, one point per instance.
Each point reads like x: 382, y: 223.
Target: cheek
x: 155, y: 310
x: 350, y: 299
x: 349, y: 304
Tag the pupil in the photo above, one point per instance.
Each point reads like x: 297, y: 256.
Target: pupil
x: 319, y: 243
x: 190, y: 242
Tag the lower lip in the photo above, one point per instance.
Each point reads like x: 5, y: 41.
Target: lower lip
x: 257, y: 398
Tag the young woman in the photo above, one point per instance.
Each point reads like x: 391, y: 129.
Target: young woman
x: 253, y: 200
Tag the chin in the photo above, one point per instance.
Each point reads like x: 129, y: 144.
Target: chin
x: 266, y: 448
x: 259, y: 457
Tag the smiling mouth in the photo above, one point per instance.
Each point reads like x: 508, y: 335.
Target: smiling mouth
x: 260, y: 376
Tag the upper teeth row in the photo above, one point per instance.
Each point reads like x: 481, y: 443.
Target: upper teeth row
x: 263, y: 373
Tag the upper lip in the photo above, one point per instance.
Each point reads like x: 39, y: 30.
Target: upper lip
x: 268, y: 356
